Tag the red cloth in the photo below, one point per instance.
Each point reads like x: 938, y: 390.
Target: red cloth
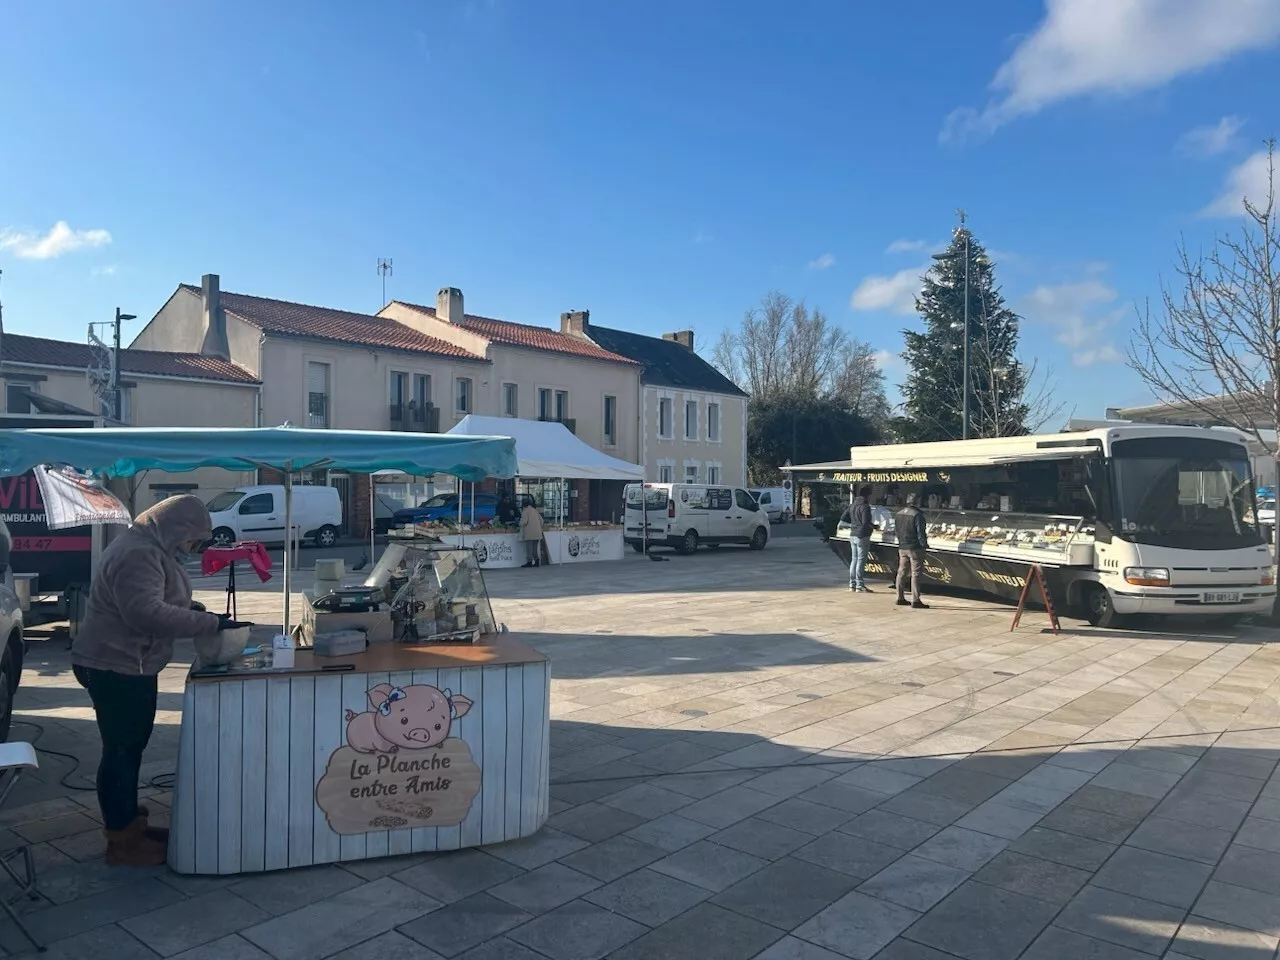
x: 215, y: 558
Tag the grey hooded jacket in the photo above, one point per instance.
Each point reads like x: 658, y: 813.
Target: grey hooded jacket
x: 140, y: 601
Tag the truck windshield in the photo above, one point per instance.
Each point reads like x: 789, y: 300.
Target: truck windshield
x: 224, y: 501
x: 1199, y: 498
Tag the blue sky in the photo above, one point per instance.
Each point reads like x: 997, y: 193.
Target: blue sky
x: 661, y: 164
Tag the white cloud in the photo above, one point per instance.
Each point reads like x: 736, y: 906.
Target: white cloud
x: 1116, y: 47
x: 896, y: 293
x: 905, y: 246
x: 1249, y: 180
x: 886, y: 360
x: 1081, y: 313
x: 1212, y: 139
x: 824, y: 261
x: 106, y: 271
x: 59, y: 240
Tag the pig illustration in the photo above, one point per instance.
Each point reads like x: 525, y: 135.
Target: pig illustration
x: 413, y: 717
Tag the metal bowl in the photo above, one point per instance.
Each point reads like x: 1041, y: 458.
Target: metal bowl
x: 218, y: 649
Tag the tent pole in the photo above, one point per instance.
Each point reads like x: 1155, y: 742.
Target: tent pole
x: 288, y: 541
x: 373, y: 521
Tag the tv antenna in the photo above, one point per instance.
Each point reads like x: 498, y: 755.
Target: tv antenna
x: 384, y: 271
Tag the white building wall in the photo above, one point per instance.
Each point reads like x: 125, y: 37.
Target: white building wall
x: 679, y: 452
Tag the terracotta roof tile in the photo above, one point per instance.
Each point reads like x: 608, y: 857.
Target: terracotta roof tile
x: 526, y: 335
x: 283, y: 318
x: 17, y: 348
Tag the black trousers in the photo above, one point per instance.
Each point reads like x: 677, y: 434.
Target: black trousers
x: 125, y: 705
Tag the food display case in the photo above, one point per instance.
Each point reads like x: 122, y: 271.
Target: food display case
x: 1035, y: 538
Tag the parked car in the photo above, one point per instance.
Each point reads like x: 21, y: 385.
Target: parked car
x: 444, y: 506
x: 257, y: 513
x: 687, y: 515
x: 1267, y: 516
x: 777, y: 502
x: 11, y: 655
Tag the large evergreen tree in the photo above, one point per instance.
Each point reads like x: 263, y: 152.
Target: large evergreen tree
x: 998, y: 403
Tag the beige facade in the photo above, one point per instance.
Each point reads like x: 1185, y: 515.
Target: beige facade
x: 694, y: 436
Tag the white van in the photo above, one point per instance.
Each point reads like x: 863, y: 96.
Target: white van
x: 776, y: 502
x: 257, y: 513
x: 685, y: 515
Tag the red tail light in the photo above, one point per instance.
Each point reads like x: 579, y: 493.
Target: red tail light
x: 671, y: 509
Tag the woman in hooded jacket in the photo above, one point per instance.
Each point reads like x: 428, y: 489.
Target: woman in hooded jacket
x: 139, y: 604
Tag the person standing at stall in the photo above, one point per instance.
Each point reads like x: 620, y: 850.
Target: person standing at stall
x: 913, y: 541
x: 139, y: 604
x: 531, y: 534
x: 858, y: 516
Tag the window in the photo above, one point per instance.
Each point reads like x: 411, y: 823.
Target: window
x: 421, y: 396
x: 610, y: 421
x: 462, y: 395
x: 691, y: 419
x: 317, y: 394
x: 666, y: 473
x: 257, y: 505
x: 713, y: 421
x: 562, y: 405
x: 745, y: 500
x: 690, y: 473
x: 398, y: 394
x: 510, y: 400
x: 713, y: 473
x: 16, y: 397
x: 666, y: 414
x: 224, y: 501
x: 544, y: 404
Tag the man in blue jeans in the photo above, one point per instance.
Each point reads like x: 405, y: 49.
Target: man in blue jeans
x: 858, y: 516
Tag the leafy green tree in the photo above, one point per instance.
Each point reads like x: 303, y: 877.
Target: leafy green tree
x: 802, y: 429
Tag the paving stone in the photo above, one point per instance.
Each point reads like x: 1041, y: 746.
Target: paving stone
x: 545, y: 888
x: 378, y: 867
x: 790, y: 781
x: 1154, y: 876
x: 792, y: 948
x: 1254, y: 832
x: 875, y: 776
x: 1058, y: 778
x: 1009, y: 764
x: 962, y: 783
x: 69, y: 919
x: 999, y: 820
x: 1064, y: 848
x: 341, y: 921
x: 709, y: 865
x: 890, y: 829
x: 706, y: 932
x: 54, y: 828
x: 1250, y: 867
x: 760, y: 838
x: 1156, y: 758
x: 671, y: 832
x: 594, y: 822
x: 855, y: 856
x: 1219, y: 784
x: 1204, y: 810
x: 674, y: 756
x: 284, y: 891
x: 103, y: 943
x: 857, y: 925
x: 1042, y: 879
x: 787, y: 893
x: 189, y: 923
x: 841, y: 796
x: 236, y: 947
x: 584, y: 791
x: 1236, y: 762
x: 649, y: 897
x: 903, y: 949
x: 1206, y: 939
x: 979, y: 922
x: 696, y: 784
x: 1119, y: 918
x: 728, y: 806
x: 1118, y: 803
x: 1025, y: 796
x: 543, y: 847
x: 500, y: 948
x: 465, y: 924
x: 1267, y: 808
x: 613, y: 858
x: 1240, y: 907
x: 72, y: 881
x: 918, y: 805
x: 458, y: 875
x: 578, y: 931
x: 1059, y: 944
x: 806, y: 816
x: 961, y: 848
x: 1089, y: 823
x: 914, y: 883
x: 1203, y: 844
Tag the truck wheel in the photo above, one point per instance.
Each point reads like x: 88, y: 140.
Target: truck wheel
x: 223, y: 537
x: 326, y: 536
x: 759, y: 539
x: 689, y: 544
x: 8, y: 681
x: 1099, y: 610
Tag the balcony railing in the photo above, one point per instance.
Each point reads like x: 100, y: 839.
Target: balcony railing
x: 424, y: 418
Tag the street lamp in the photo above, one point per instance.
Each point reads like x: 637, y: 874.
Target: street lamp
x: 964, y: 414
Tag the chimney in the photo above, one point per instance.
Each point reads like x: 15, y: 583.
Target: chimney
x: 682, y: 337
x: 213, y: 319
x: 449, y: 304
x: 576, y: 323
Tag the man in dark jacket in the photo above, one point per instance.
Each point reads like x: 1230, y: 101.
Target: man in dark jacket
x: 913, y: 541
x: 858, y: 516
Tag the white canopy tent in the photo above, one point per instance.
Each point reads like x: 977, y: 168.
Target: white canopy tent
x: 548, y: 449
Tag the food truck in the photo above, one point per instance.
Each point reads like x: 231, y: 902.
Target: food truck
x: 1128, y: 519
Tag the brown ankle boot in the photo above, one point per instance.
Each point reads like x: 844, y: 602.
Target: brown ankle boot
x: 131, y: 847
x: 159, y: 834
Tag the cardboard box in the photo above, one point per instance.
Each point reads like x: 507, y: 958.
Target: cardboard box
x: 375, y: 623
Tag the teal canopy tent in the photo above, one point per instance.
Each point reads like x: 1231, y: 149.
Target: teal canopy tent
x: 123, y: 452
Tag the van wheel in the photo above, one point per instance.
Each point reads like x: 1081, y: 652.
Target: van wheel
x: 786, y: 516
x: 326, y: 536
x: 759, y: 539
x: 638, y: 547
x: 8, y: 681
x: 1099, y: 610
x: 690, y: 542
x: 223, y: 537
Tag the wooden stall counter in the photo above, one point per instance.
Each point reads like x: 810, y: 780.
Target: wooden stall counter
x: 399, y: 749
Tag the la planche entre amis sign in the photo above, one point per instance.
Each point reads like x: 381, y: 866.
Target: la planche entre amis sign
x: 400, y: 767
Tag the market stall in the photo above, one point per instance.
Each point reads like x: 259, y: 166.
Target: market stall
x: 288, y: 758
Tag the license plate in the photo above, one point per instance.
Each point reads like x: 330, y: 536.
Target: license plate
x: 1222, y: 597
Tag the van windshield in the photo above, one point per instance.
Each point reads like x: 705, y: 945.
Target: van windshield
x: 224, y: 501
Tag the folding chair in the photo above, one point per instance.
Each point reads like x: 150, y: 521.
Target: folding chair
x: 14, y: 759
